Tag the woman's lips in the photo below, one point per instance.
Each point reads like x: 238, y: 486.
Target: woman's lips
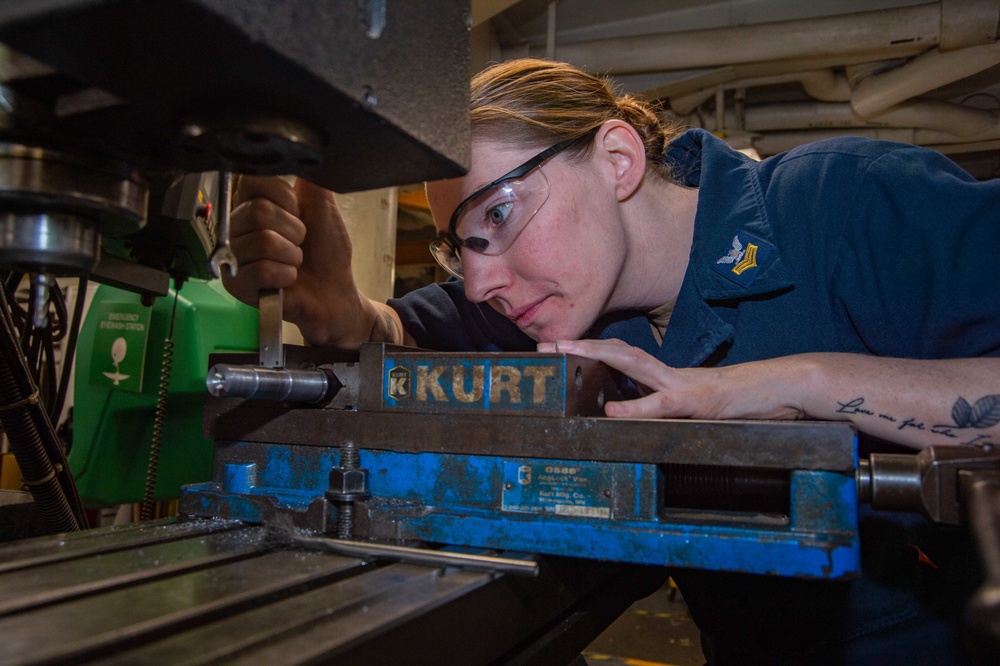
x: 523, y: 317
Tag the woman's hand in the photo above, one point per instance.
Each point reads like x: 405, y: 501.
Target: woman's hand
x: 294, y: 238
x: 703, y: 393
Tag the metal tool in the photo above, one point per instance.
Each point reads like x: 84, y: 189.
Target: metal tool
x: 223, y: 255
x: 271, y: 306
x: 271, y: 380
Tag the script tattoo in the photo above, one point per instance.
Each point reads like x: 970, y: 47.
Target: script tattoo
x: 385, y: 329
x: 984, y: 413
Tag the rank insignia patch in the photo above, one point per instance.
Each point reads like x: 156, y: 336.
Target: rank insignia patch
x: 744, y: 260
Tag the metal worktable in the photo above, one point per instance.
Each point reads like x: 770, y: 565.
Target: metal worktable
x: 214, y: 591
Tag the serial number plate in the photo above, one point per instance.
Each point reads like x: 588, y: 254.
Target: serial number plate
x: 559, y: 488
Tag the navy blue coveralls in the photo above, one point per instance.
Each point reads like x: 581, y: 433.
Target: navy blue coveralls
x: 844, y: 245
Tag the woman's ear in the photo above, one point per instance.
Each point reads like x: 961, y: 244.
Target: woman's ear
x: 622, y: 146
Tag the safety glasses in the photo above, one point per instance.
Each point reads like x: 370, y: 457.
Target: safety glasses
x: 490, y: 219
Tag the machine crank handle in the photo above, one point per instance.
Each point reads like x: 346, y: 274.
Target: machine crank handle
x: 981, y: 495
x: 926, y: 483
x: 950, y: 485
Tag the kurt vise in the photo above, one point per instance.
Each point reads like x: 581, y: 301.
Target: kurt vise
x: 509, y: 452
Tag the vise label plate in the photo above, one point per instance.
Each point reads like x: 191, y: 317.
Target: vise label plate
x: 557, y: 487
x: 497, y: 385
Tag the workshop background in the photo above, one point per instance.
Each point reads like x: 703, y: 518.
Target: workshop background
x: 765, y: 75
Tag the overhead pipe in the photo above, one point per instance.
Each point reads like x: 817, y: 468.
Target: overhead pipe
x: 822, y: 84
x: 927, y: 72
x: 732, y: 74
x: 889, y: 33
x: 968, y: 22
x: 779, y: 142
x: 955, y: 119
x: 826, y: 85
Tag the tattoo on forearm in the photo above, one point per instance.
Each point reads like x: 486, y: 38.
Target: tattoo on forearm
x: 984, y: 413
x: 385, y: 329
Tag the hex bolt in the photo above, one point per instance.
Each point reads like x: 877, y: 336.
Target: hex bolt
x: 348, y: 484
x: 349, y: 456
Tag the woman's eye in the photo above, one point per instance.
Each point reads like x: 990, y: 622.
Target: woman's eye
x: 498, y: 214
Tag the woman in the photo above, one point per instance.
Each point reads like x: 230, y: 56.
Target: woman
x: 842, y: 280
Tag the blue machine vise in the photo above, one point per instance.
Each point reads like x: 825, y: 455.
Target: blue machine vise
x: 508, y: 452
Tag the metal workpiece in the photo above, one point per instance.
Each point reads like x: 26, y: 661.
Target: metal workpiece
x: 305, y: 385
x: 927, y: 482
x: 211, y: 591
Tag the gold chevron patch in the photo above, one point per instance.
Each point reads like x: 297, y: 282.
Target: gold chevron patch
x: 749, y: 259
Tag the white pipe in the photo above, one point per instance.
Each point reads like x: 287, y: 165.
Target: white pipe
x: 919, y: 114
x: 934, y: 137
x: 682, y: 105
x: 779, y: 142
x: 924, y: 73
x: 826, y: 85
x: 888, y: 33
x: 968, y: 22
x: 821, y: 84
x: 956, y: 120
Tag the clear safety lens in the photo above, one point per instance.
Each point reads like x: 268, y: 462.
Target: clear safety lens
x: 491, y: 222
x: 447, y: 256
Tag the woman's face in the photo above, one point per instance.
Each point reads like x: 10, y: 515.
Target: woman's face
x: 560, y: 273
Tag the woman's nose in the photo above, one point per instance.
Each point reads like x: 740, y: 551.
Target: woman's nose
x: 485, y: 277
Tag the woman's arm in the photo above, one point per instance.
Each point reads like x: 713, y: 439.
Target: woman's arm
x: 916, y: 403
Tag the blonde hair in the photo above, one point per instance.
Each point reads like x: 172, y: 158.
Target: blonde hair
x: 539, y: 102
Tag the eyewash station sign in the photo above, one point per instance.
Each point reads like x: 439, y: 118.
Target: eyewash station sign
x: 120, y: 346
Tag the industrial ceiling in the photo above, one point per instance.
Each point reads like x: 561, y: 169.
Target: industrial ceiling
x: 771, y: 74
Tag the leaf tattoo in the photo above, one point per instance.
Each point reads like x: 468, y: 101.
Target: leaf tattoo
x: 984, y: 414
